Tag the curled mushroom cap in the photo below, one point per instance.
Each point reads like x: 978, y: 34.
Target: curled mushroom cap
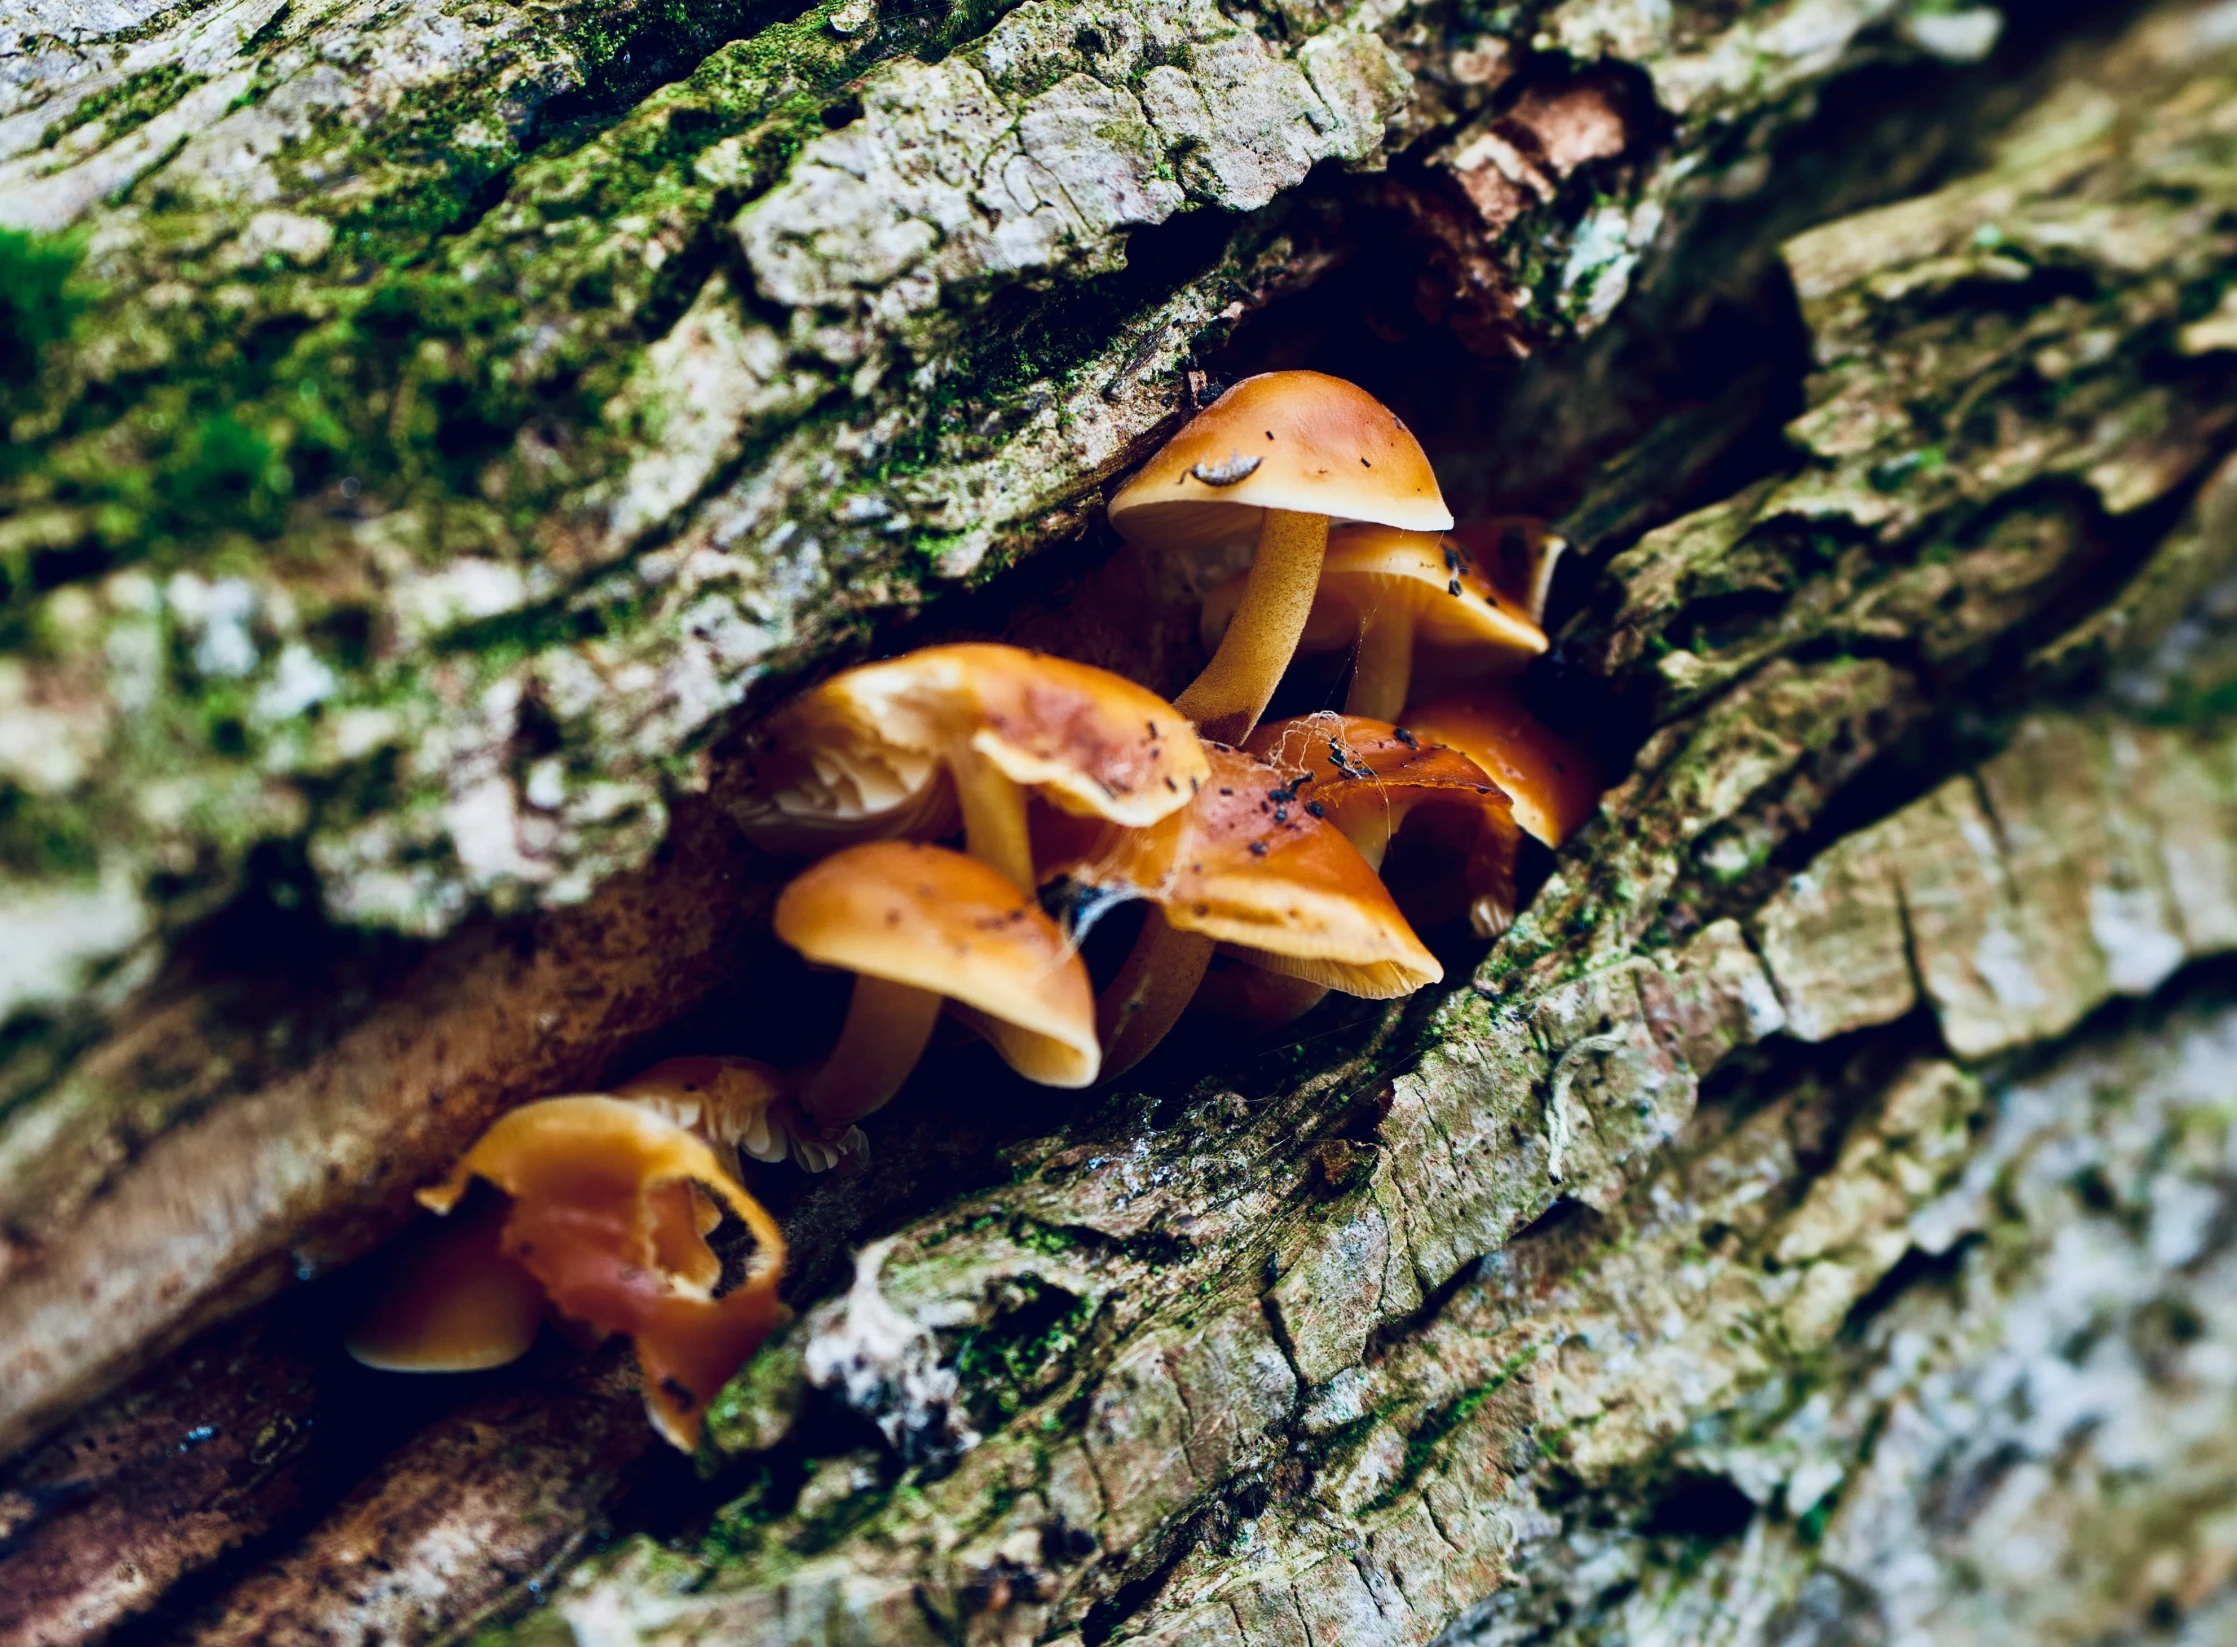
x: 1554, y: 785
x: 1372, y: 780
x: 1276, y: 459
x: 610, y: 1211
x: 927, y: 923
x: 891, y: 750
x: 1390, y: 593
x: 1249, y: 864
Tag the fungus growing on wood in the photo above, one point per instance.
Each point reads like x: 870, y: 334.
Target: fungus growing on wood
x: 1277, y: 458
x: 1387, y: 593
x: 608, y: 1209
x: 733, y: 1103
x: 1518, y: 554
x: 916, y: 924
x: 895, y: 749
x: 1373, y: 780
x: 1554, y: 785
x: 451, y: 1301
x: 1250, y: 865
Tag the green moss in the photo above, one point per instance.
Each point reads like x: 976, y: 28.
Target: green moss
x: 40, y: 301
x: 1013, y: 1358
x: 127, y: 105
x: 43, y: 840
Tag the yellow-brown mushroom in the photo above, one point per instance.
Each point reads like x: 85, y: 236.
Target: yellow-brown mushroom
x: 918, y: 924
x: 1387, y: 594
x: 1250, y: 866
x: 1554, y: 785
x: 605, y: 1210
x: 1276, y: 459
x: 898, y: 749
x: 1373, y: 780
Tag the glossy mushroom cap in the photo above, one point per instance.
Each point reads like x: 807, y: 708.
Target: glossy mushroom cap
x: 1370, y: 569
x: 1298, y: 441
x: 451, y: 1301
x: 1555, y: 785
x: 938, y: 921
x: 1373, y: 780
x: 1250, y: 865
x: 610, y: 1209
x: 865, y: 756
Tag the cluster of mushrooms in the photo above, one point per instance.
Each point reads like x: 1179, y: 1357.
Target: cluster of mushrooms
x: 1261, y: 853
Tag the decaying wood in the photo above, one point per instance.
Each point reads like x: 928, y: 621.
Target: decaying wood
x: 1810, y: 1215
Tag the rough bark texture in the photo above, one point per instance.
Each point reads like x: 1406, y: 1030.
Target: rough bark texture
x: 1812, y: 1223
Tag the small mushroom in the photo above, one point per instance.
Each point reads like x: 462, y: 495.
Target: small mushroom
x: 1519, y: 553
x: 733, y: 1103
x: 451, y: 1300
x: 916, y: 924
x: 609, y: 1209
x: 1374, y: 780
x: 1388, y: 592
x: 895, y: 749
x: 1251, y: 866
x: 1554, y: 785
x: 1276, y: 459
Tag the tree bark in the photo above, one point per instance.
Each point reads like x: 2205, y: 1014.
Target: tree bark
x: 1810, y: 1222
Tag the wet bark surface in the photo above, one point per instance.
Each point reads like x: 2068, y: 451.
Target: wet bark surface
x: 446, y: 428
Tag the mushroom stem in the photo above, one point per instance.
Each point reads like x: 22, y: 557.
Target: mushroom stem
x: 1226, y: 700
x: 1384, y: 663
x: 994, y: 827
x: 887, y: 1028
x: 1151, y: 991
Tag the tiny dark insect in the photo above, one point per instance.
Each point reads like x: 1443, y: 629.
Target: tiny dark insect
x: 1258, y: 849
x: 1315, y: 808
x: 1405, y: 737
x: 1227, y: 791
x: 1453, y: 588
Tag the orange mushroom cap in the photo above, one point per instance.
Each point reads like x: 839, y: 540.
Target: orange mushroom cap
x: 606, y: 1216
x: 866, y: 755
x: 1518, y: 553
x: 1248, y: 864
x: 1555, y: 785
x: 451, y: 1301
x: 938, y: 921
x: 1454, y: 607
x: 1298, y: 441
x: 1373, y: 780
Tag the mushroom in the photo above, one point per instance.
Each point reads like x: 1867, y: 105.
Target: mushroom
x: 915, y: 924
x: 895, y: 749
x: 1519, y: 552
x: 609, y: 1209
x: 1387, y: 592
x: 1249, y: 866
x: 451, y: 1301
x: 1277, y: 458
x: 1553, y: 784
x: 733, y: 1103
x: 1372, y: 780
